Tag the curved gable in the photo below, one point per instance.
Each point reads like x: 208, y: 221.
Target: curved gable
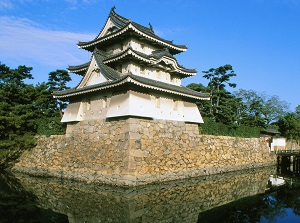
x: 93, y: 75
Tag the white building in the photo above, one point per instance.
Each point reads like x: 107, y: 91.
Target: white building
x: 132, y: 73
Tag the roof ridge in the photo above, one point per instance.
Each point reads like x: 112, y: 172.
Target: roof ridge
x: 107, y: 71
x: 123, y: 22
x: 116, y: 18
x: 114, y: 14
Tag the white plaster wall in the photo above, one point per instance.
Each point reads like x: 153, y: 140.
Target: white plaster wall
x: 176, y: 80
x: 118, y: 47
x: 191, y: 113
x: 74, y: 112
x: 92, y: 77
x: 141, y: 47
x: 143, y: 105
x: 89, y: 109
x: 277, y: 142
x: 130, y: 103
x: 149, y: 72
x: 184, y: 111
x: 133, y: 68
x: 97, y: 109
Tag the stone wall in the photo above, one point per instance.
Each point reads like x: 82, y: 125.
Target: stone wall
x: 138, y: 151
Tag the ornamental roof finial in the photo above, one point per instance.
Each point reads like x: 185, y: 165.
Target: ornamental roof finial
x: 150, y: 26
x: 113, y: 8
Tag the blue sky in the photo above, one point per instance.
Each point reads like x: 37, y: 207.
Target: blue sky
x: 259, y: 38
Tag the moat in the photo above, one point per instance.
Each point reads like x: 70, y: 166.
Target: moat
x: 244, y: 196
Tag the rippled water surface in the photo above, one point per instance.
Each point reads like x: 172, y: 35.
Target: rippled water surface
x: 246, y: 196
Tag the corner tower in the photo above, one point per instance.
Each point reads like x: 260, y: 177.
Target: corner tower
x: 132, y: 73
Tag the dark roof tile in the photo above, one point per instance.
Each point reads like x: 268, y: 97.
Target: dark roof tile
x: 122, y: 22
x: 158, y: 85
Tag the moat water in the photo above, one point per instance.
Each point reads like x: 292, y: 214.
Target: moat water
x: 263, y: 195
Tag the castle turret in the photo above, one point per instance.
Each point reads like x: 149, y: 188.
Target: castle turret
x: 132, y: 73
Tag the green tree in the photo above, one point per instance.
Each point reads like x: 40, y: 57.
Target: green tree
x: 57, y: 81
x: 203, y: 105
x: 25, y: 110
x: 260, y: 109
x: 47, y: 113
x: 17, y: 117
x: 274, y: 108
x: 230, y: 108
x: 297, y: 111
x: 218, y: 79
x: 289, y: 126
x: 252, y: 111
x: 223, y: 106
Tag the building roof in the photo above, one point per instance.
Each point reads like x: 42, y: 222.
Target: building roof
x: 125, y: 26
x: 154, y: 58
x: 136, y: 81
x: 271, y: 131
x: 107, y: 71
x: 115, y: 78
x: 79, y: 69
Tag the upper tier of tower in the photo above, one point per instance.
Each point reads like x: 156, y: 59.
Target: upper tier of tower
x: 117, y: 28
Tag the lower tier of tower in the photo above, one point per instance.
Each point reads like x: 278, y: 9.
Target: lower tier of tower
x: 132, y: 103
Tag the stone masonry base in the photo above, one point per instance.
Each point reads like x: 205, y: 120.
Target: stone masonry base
x: 133, y: 152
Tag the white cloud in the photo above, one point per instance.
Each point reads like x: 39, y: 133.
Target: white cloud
x: 22, y: 40
x: 6, y: 4
x: 75, y: 4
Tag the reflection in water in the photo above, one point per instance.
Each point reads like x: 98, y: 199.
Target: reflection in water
x: 288, y: 165
x: 17, y: 205
x: 176, y: 201
x: 280, y: 203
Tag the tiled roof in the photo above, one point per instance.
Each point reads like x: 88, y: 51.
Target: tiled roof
x: 138, y: 81
x: 161, y: 52
x: 170, y: 87
x: 123, y: 26
x: 79, y: 68
x: 107, y: 71
x: 157, y: 55
x: 165, y: 52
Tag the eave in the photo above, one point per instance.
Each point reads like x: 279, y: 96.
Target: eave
x: 135, y: 80
x: 150, y: 59
x: 128, y: 28
x: 79, y: 69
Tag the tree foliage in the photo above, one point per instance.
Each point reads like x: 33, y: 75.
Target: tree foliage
x: 243, y: 109
x: 17, y: 117
x: 261, y: 109
x: 218, y: 79
x: 27, y: 110
x: 57, y: 81
x: 289, y: 126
